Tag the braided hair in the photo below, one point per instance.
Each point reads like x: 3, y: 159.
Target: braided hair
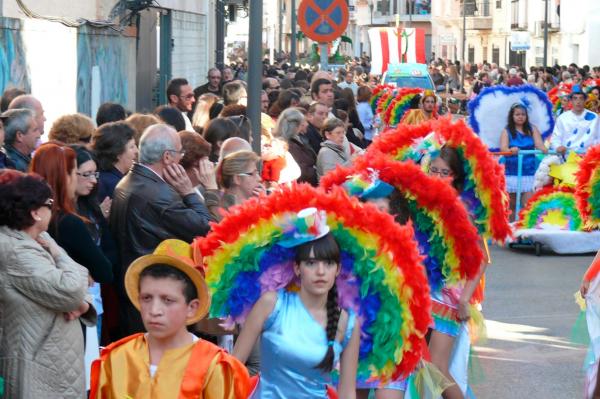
x: 325, y: 248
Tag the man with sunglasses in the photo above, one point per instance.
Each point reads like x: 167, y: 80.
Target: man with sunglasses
x: 181, y: 96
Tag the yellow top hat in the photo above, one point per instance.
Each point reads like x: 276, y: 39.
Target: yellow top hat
x: 175, y: 253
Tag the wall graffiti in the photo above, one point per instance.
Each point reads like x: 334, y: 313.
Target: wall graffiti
x: 13, y: 60
x: 102, y: 55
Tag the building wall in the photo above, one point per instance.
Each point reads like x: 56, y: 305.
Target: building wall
x: 190, y: 52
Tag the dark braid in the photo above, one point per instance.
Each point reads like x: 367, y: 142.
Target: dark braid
x: 333, y: 317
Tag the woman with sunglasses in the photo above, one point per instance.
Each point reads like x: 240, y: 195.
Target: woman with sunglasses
x: 43, y: 293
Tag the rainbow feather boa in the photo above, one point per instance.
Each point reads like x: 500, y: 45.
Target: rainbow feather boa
x: 484, y: 191
x: 393, y: 114
x: 381, y: 277
x: 376, y: 95
x: 446, y: 236
x: 587, y: 191
x: 553, y: 208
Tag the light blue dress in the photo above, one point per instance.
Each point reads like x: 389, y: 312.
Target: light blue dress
x: 292, y: 344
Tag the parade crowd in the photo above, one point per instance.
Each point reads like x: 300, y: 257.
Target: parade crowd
x: 111, y: 230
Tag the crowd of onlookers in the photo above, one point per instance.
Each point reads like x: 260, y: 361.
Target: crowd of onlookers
x: 78, y: 208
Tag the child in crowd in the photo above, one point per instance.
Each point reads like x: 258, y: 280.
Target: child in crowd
x: 167, y: 361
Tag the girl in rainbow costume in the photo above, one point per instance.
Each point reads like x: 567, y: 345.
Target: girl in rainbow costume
x: 319, y: 286
x: 441, y: 227
x: 452, y: 152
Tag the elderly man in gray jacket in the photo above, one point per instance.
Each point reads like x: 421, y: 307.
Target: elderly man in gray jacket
x: 155, y: 201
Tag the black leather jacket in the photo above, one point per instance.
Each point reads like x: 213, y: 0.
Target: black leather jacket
x: 146, y: 210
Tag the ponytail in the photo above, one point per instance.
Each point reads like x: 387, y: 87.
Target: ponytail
x: 333, y: 317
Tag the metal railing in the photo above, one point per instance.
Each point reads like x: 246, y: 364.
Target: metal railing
x: 520, y: 156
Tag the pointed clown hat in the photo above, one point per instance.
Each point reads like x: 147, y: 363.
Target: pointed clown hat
x: 484, y: 190
x: 588, y: 187
x: 381, y: 277
x: 179, y: 255
x: 447, y: 238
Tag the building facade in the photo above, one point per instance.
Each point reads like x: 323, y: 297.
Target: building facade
x: 511, y: 32
x: 116, y: 56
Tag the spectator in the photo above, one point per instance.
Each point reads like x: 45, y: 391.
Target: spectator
x: 5, y: 162
x: 21, y: 136
x: 217, y: 131
x: 43, y: 295
x: 334, y: 150
x: 234, y: 93
x: 114, y: 147
x: 513, y: 78
x: 181, y: 97
x: 349, y: 82
x: 110, y: 112
x: 96, y: 215
x: 152, y: 203
x: 58, y: 165
x: 239, y: 178
x: 316, y: 116
x: 8, y: 96
x: 287, y: 98
x: 227, y: 75
x: 195, y: 161
x: 72, y: 129
x: 233, y: 144
x: 201, y: 115
x: 233, y: 110
x: 270, y: 84
x: 27, y: 101
x: 365, y: 113
x: 291, y: 127
x: 139, y: 123
x: 213, y: 86
x: 171, y: 116
x: 264, y: 102
x: 322, y: 90
x: 244, y: 128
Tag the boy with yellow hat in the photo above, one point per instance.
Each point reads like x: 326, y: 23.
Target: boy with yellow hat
x: 167, y: 361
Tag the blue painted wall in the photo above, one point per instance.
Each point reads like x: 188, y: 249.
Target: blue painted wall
x: 13, y: 60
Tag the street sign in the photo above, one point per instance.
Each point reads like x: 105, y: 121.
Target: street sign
x: 323, y: 20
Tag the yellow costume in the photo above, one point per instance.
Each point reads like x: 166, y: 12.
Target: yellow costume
x: 415, y: 117
x: 200, y: 370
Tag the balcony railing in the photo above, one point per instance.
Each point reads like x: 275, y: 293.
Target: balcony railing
x: 477, y: 8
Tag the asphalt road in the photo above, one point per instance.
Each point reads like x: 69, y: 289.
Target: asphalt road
x: 530, y: 311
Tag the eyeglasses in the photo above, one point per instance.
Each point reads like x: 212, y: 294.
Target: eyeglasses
x: 89, y: 175
x: 178, y: 152
x: 238, y: 119
x: 440, y: 172
x: 254, y: 173
x: 48, y: 204
x: 188, y: 96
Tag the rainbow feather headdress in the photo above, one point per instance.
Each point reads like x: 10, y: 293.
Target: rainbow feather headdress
x: 552, y: 208
x: 381, y: 276
x: 376, y: 95
x: 395, y: 111
x: 556, y: 93
x: 447, y: 238
x: 587, y: 191
x: 484, y: 191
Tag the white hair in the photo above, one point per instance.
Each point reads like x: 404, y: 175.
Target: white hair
x: 155, y: 140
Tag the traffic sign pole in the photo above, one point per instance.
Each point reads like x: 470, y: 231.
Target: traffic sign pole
x: 324, y: 63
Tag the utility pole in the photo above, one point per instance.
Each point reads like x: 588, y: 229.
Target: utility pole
x: 280, y: 8
x: 294, y: 23
x: 545, y: 34
x: 255, y: 69
x: 220, y: 36
x: 464, y: 43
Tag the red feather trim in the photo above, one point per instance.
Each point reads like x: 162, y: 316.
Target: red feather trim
x: 489, y: 173
x: 589, y: 165
x: 430, y: 193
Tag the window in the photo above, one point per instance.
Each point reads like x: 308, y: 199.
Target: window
x: 471, y: 54
x: 496, y: 55
x: 383, y: 6
x: 498, y: 4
